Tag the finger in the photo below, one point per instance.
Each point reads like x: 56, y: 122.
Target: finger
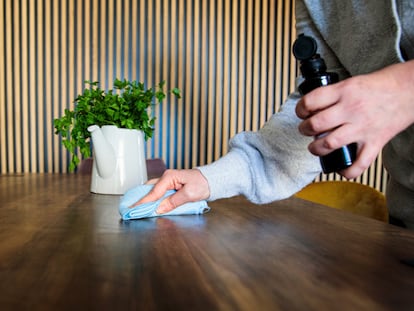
x: 363, y: 161
x: 324, y: 121
x: 155, y: 194
x: 172, y: 202
x: 333, y: 140
x: 152, y: 181
x: 317, y: 100
x: 159, y: 189
x: 353, y: 171
x: 165, y: 206
x: 302, y: 109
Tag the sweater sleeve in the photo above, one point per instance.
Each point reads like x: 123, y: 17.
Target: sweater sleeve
x: 270, y: 164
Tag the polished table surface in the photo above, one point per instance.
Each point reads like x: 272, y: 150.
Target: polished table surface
x: 64, y: 248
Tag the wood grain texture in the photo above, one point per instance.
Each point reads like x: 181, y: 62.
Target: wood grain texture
x: 63, y: 248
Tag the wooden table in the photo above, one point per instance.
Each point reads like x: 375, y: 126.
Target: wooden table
x: 63, y: 248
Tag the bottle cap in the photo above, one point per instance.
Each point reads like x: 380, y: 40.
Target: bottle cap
x: 304, y: 47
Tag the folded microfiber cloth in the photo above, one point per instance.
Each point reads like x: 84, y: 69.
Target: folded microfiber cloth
x: 149, y: 209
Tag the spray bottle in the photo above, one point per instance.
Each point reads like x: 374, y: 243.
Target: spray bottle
x: 313, y: 69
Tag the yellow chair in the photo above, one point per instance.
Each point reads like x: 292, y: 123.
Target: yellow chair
x: 350, y: 196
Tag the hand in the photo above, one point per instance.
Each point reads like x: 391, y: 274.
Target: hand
x: 191, y: 186
x: 368, y: 109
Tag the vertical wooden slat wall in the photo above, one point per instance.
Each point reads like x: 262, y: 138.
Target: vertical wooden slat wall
x: 231, y: 59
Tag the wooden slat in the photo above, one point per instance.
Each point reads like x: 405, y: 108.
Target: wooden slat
x: 103, y: 28
x: 204, y: 60
x: 264, y: 61
x: 234, y: 70
x: 49, y: 89
x: 3, y: 98
x: 195, y: 83
x: 165, y: 15
x: 218, y: 118
x: 187, y: 91
x: 17, y: 100
x: 120, y: 41
x: 211, y: 79
x: 241, y: 86
x: 32, y: 146
x: 256, y: 16
x: 156, y: 69
x: 271, y: 51
x: 226, y: 101
x: 249, y: 67
x: 56, y: 86
x: 181, y: 152
x: 9, y: 92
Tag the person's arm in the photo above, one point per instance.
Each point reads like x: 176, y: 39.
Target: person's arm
x: 367, y: 109
x: 270, y: 164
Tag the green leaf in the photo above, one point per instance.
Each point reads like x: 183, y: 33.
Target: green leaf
x: 176, y: 92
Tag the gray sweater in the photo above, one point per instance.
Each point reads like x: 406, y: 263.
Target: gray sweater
x: 354, y: 37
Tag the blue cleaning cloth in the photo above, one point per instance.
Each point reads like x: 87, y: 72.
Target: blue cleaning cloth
x: 149, y: 209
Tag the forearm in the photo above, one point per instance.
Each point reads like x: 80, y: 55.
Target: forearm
x: 267, y: 165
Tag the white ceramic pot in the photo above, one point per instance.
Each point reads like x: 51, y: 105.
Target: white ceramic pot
x: 119, y: 159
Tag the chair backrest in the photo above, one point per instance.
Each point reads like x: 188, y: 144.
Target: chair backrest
x: 350, y: 196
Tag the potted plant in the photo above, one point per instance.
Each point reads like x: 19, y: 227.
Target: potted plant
x: 116, y: 111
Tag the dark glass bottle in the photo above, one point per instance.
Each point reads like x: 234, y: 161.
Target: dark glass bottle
x: 313, y: 69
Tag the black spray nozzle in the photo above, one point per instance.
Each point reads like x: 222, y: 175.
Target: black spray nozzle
x: 304, y: 49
